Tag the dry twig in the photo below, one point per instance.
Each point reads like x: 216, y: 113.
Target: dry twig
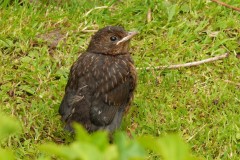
x: 226, y: 5
x: 101, y: 7
x: 149, y: 15
x: 89, y: 31
x: 190, y: 64
x: 190, y: 138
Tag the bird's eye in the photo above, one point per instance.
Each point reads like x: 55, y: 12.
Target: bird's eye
x: 113, y: 38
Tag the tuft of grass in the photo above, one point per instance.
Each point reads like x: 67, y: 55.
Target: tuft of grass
x: 199, y: 102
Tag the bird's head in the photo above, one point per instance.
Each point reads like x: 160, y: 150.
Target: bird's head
x: 111, y: 40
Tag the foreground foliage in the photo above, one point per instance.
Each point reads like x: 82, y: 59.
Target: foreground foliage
x: 97, y: 146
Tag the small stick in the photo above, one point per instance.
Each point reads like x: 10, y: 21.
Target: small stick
x: 101, y: 7
x: 190, y: 138
x: 88, y: 31
x: 190, y: 64
x: 226, y: 5
x: 149, y: 15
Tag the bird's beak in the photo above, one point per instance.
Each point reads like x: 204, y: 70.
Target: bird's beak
x: 129, y: 36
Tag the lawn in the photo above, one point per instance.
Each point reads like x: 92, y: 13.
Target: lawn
x: 40, y: 40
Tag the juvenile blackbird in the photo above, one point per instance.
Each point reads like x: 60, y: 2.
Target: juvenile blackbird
x: 101, y: 82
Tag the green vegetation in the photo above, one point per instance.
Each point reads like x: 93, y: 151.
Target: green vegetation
x: 39, y: 41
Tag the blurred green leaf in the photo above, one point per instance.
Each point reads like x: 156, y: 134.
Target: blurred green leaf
x: 128, y: 149
x: 6, y: 155
x: 86, y: 147
x: 8, y: 126
x: 172, y: 147
x: 54, y: 149
x: 81, y: 134
x: 149, y: 142
x: 100, y: 139
x: 86, y: 151
x: 111, y: 153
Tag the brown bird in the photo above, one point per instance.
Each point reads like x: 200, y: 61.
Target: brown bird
x: 101, y: 82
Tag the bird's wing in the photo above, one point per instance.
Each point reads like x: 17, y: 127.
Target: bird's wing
x: 77, y: 98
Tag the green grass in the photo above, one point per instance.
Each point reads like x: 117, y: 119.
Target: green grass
x: 198, y: 102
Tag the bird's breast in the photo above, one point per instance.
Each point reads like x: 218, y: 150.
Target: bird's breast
x: 107, y: 71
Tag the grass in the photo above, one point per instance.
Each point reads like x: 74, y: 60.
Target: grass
x: 198, y: 102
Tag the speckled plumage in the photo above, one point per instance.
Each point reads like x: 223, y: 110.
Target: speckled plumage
x: 101, y: 83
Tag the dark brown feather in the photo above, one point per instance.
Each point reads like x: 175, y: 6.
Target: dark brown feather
x: 101, y: 84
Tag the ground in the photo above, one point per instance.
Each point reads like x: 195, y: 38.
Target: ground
x: 39, y: 42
